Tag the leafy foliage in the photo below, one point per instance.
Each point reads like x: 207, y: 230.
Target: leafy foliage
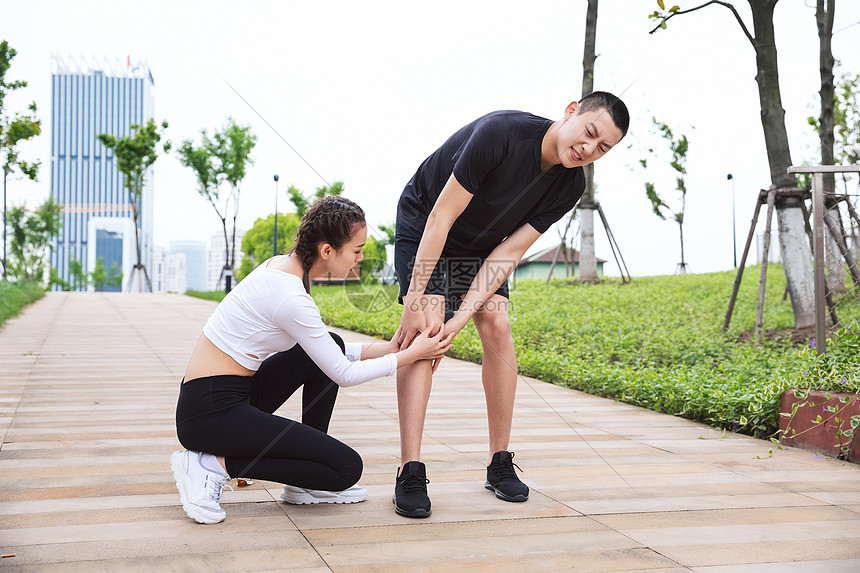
x: 222, y: 158
x: 258, y: 243
x: 99, y: 279
x: 31, y: 239
x: 17, y: 295
x: 678, y: 162
x: 303, y: 202
x: 374, y: 260
x: 134, y: 154
x: 14, y: 129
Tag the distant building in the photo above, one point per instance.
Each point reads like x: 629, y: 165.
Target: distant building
x: 168, y: 271
x: 218, y: 256
x: 89, y: 97
x: 537, y: 265
x: 113, y: 238
x: 196, y: 262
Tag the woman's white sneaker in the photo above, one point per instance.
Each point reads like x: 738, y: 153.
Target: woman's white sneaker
x: 302, y: 496
x: 199, y: 488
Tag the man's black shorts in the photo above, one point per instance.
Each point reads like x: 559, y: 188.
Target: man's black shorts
x: 452, y: 276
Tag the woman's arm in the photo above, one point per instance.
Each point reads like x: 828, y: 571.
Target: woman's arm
x: 378, y: 348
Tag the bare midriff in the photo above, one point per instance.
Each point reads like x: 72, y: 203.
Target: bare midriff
x: 209, y: 360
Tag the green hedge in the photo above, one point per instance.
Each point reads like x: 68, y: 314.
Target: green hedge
x: 656, y: 343
x: 215, y: 295
x: 15, y: 296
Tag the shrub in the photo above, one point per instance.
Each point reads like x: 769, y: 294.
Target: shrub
x: 15, y: 296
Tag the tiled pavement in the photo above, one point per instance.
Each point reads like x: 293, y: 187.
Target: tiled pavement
x: 88, y: 384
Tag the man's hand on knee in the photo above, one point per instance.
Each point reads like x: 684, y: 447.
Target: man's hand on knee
x: 420, y: 311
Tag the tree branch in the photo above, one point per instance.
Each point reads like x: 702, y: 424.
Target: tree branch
x: 724, y: 4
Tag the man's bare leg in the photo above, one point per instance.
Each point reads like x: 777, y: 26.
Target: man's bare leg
x: 499, y: 375
x: 413, y: 393
x: 413, y: 388
x: 499, y: 370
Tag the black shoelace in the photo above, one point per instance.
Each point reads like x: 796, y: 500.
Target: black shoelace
x: 412, y: 482
x: 505, y: 470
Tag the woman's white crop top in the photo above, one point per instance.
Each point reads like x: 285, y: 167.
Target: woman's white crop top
x: 269, y: 311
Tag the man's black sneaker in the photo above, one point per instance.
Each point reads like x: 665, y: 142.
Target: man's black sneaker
x: 502, y: 479
x: 410, y: 492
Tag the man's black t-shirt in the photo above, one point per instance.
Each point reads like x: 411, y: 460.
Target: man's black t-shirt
x: 497, y: 158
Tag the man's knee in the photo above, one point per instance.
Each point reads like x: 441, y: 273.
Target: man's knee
x: 494, y: 326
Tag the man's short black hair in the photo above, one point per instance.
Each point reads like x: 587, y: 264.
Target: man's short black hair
x: 612, y: 104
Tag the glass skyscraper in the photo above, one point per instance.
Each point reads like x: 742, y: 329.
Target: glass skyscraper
x: 196, y: 262
x: 89, y: 97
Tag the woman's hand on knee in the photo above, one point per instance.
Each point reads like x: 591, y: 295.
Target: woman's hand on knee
x: 426, y: 346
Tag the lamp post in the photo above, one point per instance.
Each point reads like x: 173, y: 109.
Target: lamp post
x: 275, y: 249
x: 734, y: 233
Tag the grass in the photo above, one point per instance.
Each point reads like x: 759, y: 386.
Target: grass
x: 15, y: 296
x: 216, y: 295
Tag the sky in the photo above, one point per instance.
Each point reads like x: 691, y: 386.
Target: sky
x: 365, y: 91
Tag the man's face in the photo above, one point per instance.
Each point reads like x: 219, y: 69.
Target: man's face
x: 586, y: 136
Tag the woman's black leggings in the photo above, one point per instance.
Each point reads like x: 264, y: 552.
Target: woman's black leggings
x: 232, y: 416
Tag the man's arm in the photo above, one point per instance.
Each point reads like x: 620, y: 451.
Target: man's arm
x: 451, y: 203
x: 497, y: 267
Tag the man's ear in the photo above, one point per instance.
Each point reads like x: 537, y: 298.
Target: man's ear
x: 571, y: 109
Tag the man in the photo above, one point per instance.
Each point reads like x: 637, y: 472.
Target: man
x: 464, y: 221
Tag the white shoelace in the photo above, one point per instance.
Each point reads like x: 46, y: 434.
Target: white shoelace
x: 215, y: 487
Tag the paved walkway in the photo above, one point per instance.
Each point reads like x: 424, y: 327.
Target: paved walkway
x: 88, y: 384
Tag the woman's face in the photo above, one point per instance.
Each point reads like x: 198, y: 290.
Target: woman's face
x: 340, y: 262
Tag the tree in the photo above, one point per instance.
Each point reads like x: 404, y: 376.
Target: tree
x: 31, y: 239
x: 135, y: 154
x: 223, y: 158
x: 101, y: 278
x: 390, y: 232
x: 232, y: 149
x: 796, y: 252
x: 257, y: 244
x: 303, y: 202
x: 824, y: 13
x: 14, y: 129
x: 587, y: 255
x: 374, y: 260
x: 846, y: 122
x: 98, y: 279
x: 679, y: 148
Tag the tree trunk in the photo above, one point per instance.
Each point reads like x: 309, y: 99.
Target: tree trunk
x: 5, y: 261
x: 226, y: 253
x: 835, y: 278
x: 587, y: 254
x: 794, y: 246
x: 136, y: 215
x: 824, y: 12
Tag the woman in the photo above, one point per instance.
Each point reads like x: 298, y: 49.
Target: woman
x: 232, y: 385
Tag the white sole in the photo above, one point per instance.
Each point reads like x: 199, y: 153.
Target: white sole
x: 309, y: 499
x: 183, y: 484
x: 317, y: 502
x: 314, y: 501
